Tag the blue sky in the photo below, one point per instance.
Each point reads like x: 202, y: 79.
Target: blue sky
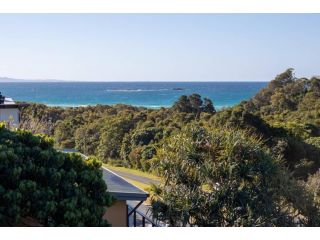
x: 158, y: 47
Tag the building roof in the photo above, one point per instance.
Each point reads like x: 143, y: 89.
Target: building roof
x: 117, y: 185
x: 121, y: 189
x: 8, y: 103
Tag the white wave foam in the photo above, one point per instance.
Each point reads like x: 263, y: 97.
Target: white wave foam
x: 153, y: 106
x: 137, y: 90
x: 68, y: 105
x: 65, y: 105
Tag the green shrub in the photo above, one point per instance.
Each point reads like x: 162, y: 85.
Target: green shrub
x: 54, y: 188
x: 222, y: 178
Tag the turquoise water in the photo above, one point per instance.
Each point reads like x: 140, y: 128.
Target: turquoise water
x: 147, y: 94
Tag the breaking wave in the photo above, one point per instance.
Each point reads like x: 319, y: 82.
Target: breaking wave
x: 138, y: 90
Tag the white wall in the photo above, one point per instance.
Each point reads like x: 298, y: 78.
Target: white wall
x: 7, y: 113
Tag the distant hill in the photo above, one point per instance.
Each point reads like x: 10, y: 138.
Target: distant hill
x: 6, y: 79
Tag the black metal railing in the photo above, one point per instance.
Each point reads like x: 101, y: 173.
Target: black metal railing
x: 138, y: 219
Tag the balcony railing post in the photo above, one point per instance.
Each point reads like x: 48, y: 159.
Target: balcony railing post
x: 134, y: 218
x: 143, y: 221
x: 128, y: 216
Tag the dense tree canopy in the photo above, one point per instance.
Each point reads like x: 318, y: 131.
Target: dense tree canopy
x: 193, y: 104
x: 53, y: 188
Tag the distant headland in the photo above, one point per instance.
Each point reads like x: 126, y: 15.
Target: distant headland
x: 8, y: 79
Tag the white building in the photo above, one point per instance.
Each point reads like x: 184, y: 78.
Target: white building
x: 9, y: 111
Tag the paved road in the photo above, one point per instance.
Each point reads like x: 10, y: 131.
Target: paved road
x: 134, y: 177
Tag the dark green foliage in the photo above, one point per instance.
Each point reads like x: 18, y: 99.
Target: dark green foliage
x: 288, y: 99
x: 208, y: 106
x: 292, y: 106
x: 111, y: 137
x: 145, y: 136
x: 38, y: 118
x: 193, y: 104
x: 224, y: 178
x: 313, y: 185
x: 183, y: 105
x: 54, y: 188
x: 111, y: 133
x: 87, y: 138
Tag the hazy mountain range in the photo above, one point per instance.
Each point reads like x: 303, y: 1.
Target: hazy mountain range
x: 6, y: 79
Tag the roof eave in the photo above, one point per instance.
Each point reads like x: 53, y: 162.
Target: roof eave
x: 6, y: 106
x: 130, y: 196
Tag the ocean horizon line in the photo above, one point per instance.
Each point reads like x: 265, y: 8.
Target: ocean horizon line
x: 130, y: 81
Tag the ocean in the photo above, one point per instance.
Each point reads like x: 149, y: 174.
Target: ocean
x: 146, y: 94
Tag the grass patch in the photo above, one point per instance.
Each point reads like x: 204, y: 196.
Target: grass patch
x: 143, y: 186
